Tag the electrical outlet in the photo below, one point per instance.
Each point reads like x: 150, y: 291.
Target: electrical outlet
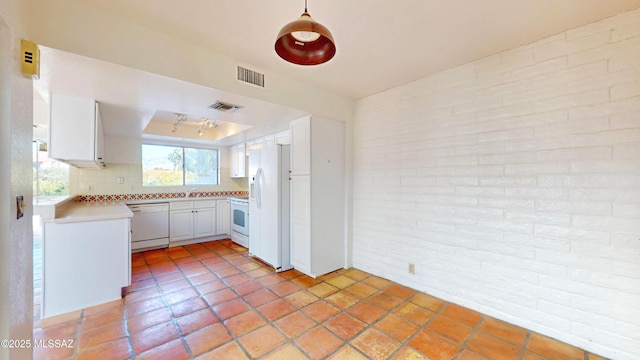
x: 412, y: 268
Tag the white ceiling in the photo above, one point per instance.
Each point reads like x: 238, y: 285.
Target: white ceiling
x: 380, y: 44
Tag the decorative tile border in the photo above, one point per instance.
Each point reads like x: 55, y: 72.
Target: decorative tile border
x: 156, y: 196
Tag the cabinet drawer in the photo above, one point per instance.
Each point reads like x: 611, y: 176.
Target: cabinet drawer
x: 204, y: 204
x: 181, y: 205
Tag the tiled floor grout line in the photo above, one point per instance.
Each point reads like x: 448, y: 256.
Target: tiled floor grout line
x: 77, y: 336
x: 524, y: 345
x: 126, y: 329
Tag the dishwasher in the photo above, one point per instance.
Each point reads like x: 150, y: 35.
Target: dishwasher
x: 149, y: 226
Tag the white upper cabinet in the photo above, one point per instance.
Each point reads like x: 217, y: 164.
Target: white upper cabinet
x: 75, y: 131
x: 300, y: 136
x: 237, y: 161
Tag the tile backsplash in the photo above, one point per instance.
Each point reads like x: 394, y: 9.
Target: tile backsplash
x: 95, y: 182
x: 160, y: 195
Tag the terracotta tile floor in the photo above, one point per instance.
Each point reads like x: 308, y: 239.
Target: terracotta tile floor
x: 212, y: 301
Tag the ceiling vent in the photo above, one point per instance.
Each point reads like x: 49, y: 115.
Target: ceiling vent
x: 250, y: 76
x: 224, y: 107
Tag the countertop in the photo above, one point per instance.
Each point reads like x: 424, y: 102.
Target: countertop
x: 93, y: 211
x: 62, y: 209
x: 51, y: 200
x: 169, y: 200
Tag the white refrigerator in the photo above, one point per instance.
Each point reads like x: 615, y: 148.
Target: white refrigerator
x: 269, y: 206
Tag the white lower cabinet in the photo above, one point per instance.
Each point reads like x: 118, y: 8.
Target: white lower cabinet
x: 192, y: 220
x: 204, y: 222
x: 223, y: 221
x: 84, y: 264
x: 181, y: 225
x: 300, y: 189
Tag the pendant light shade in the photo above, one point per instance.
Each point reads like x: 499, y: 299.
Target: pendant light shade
x: 305, y: 42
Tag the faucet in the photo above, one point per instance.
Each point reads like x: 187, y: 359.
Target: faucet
x: 192, y: 190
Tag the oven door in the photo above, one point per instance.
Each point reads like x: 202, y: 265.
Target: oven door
x: 240, y: 218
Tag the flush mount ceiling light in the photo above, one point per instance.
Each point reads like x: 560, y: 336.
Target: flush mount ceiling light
x: 305, y: 42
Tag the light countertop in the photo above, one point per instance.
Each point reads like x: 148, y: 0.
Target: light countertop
x: 62, y: 209
x: 51, y: 200
x: 168, y: 200
x: 93, y: 211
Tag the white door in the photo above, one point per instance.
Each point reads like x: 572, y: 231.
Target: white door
x: 300, y: 187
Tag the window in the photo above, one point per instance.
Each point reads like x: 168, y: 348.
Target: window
x: 175, y: 165
x: 50, y: 177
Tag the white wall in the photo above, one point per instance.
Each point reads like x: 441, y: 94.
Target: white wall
x: 513, y: 184
x: 16, y: 278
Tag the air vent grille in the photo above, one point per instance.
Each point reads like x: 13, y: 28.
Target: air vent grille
x: 250, y: 76
x: 30, y: 59
x: 224, y: 107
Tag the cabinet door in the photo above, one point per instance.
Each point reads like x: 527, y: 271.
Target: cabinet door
x: 99, y: 137
x: 237, y: 161
x: 204, y: 223
x: 181, y: 225
x: 300, y: 132
x: 300, y: 190
x: 282, y: 138
x: 72, y: 118
x: 223, y: 213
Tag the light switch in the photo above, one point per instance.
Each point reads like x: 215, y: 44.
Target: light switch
x: 120, y: 180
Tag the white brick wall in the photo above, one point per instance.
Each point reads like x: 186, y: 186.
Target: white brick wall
x: 513, y: 184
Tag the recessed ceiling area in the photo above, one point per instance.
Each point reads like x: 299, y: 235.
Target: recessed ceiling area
x: 165, y: 124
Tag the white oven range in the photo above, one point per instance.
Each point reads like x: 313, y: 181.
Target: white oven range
x: 240, y: 221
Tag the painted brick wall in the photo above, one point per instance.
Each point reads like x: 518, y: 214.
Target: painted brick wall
x: 513, y: 184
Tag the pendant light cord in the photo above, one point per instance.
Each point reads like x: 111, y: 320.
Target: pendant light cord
x: 305, y: 6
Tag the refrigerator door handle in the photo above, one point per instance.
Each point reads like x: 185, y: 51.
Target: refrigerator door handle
x: 259, y: 184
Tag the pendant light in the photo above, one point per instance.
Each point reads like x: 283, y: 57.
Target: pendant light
x: 305, y: 42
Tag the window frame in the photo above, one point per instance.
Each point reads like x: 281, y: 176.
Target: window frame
x: 182, y: 168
